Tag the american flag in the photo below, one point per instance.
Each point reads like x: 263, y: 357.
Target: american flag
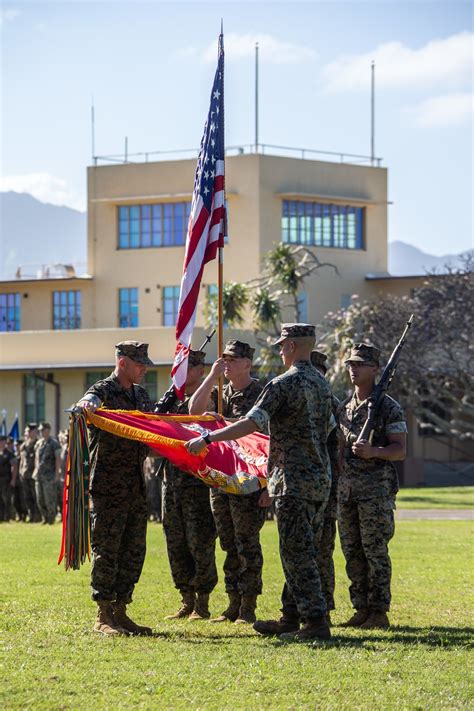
x: 206, y: 223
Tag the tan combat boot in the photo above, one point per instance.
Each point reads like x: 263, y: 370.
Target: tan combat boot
x: 188, y: 600
x: 377, y: 620
x: 233, y: 609
x: 247, y: 609
x: 105, y: 623
x: 121, y: 618
x: 357, y: 619
x: 201, y: 607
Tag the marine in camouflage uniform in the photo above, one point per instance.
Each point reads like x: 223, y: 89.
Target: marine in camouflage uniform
x: 188, y: 522
x: 366, y: 497
x: 46, y: 473
x: 326, y: 544
x: 296, y: 406
x: 26, y: 468
x: 8, y: 470
x: 117, y: 493
x: 239, y: 519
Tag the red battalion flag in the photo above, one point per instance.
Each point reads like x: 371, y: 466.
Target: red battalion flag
x: 206, y: 223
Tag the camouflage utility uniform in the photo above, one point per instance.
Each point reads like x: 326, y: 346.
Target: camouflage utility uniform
x: 297, y: 407
x: 7, y: 458
x: 327, y: 541
x: 189, y: 527
x: 44, y: 475
x: 366, y: 501
x: 27, y: 466
x: 118, y: 499
x: 239, y: 519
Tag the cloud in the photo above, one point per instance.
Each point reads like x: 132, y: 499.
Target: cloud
x: 271, y: 49
x: 8, y: 15
x: 444, y: 110
x: 45, y: 188
x: 397, y: 66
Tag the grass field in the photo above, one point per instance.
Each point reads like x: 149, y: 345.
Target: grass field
x: 446, y: 497
x: 50, y: 659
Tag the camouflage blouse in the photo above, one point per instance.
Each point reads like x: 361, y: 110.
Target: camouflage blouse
x: 298, y: 408
x: 236, y: 403
x: 112, y: 457
x: 368, y: 478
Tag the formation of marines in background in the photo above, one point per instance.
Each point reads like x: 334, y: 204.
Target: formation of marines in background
x: 318, y: 472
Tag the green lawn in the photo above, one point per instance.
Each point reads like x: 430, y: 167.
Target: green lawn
x: 449, y: 497
x: 51, y: 660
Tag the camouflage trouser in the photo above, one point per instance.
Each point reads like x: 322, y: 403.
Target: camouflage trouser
x: 324, y: 559
x: 46, y: 498
x: 299, y: 528
x: 190, y: 537
x: 365, y: 528
x: 29, y: 495
x: 118, y: 540
x: 239, y: 520
x: 5, y: 499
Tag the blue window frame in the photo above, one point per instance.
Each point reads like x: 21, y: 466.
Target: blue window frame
x: 170, y: 305
x: 34, y: 399
x: 128, y: 308
x: 160, y: 225
x: 9, y: 312
x: 66, y: 310
x: 322, y: 225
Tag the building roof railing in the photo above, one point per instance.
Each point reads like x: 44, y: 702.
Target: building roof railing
x: 243, y: 149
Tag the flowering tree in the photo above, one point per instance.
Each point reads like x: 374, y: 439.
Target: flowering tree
x: 435, y: 376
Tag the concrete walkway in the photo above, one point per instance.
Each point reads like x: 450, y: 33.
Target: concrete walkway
x: 435, y: 514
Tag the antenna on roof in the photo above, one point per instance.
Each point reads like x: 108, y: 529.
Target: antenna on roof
x: 372, y: 115
x: 256, y: 97
x: 94, y: 159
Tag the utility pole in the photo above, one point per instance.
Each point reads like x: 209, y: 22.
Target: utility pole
x: 256, y: 97
x: 372, y: 115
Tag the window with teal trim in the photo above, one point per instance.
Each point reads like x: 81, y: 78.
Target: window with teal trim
x: 9, y: 312
x: 128, y: 308
x: 170, y: 305
x: 160, y: 225
x: 317, y: 224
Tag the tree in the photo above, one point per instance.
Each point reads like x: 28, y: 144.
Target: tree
x: 435, y: 376
x: 278, y: 288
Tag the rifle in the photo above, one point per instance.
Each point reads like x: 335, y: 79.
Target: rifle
x: 166, y: 402
x: 378, y: 394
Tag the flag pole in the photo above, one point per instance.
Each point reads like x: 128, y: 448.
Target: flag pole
x: 220, y: 255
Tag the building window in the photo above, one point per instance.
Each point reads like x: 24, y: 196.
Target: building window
x: 170, y: 305
x: 322, y: 225
x: 93, y: 376
x: 161, y: 225
x: 346, y: 300
x: 66, y: 310
x: 150, y: 383
x: 303, y: 307
x: 9, y: 312
x: 128, y: 308
x: 211, y: 307
x: 33, y: 389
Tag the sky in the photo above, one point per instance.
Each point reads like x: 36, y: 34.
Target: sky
x: 148, y: 68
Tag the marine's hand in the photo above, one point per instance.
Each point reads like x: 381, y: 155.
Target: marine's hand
x: 218, y: 367
x: 196, y: 445
x: 264, y: 500
x: 363, y: 449
x: 87, y: 405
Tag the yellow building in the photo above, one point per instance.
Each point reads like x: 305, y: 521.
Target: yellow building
x: 58, y: 333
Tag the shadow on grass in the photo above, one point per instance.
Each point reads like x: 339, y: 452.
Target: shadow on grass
x: 429, y: 636
x: 435, y: 500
